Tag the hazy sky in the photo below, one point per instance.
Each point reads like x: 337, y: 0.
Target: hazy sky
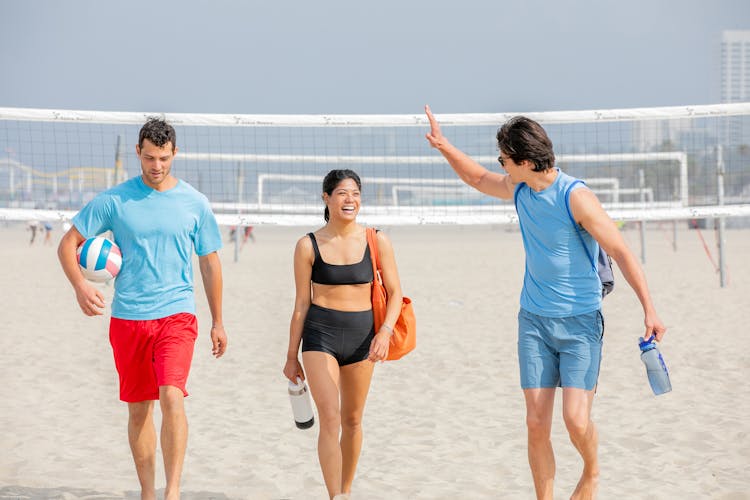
x: 339, y: 56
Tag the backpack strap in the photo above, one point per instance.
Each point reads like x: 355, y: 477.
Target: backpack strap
x: 575, y: 224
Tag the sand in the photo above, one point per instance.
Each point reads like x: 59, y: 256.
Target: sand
x: 446, y: 422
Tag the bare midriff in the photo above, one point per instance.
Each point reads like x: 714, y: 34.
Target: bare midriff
x: 342, y: 297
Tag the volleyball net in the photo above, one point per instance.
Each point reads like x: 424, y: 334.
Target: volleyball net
x: 669, y: 163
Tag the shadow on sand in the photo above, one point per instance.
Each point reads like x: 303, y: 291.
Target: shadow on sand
x: 26, y: 493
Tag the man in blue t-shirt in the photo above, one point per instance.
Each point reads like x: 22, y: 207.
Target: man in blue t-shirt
x: 157, y: 221
x: 560, y: 325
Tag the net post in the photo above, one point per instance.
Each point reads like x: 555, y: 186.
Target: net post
x: 642, y: 187
x: 240, y: 182
x: 721, y: 220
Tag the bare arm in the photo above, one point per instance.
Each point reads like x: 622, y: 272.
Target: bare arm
x: 90, y: 299
x: 589, y: 213
x: 303, y: 259
x: 210, y: 266
x: 392, y: 284
x: 471, y: 172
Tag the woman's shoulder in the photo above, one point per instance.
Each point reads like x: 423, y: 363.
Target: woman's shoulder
x: 378, y: 233
x: 304, y: 242
x: 382, y: 237
x: 316, y: 233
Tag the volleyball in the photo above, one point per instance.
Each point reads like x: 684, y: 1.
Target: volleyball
x: 99, y: 258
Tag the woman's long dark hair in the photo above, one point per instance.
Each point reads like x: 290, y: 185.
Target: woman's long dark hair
x: 333, y: 179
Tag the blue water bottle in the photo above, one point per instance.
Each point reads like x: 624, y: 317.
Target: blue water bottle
x: 658, y: 375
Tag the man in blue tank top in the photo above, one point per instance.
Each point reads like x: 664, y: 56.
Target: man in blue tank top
x: 560, y: 325
x: 157, y: 221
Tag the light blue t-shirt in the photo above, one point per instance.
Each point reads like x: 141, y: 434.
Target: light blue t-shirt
x: 156, y: 232
x: 560, y: 279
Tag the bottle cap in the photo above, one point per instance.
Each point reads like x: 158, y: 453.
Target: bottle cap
x: 300, y: 385
x: 646, y: 345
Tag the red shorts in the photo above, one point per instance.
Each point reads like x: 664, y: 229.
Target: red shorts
x: 152, y: 353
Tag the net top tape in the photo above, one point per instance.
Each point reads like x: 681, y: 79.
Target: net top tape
x: 458, y: 119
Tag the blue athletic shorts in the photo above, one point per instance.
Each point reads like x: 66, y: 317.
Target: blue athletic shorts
x: 560, y: 352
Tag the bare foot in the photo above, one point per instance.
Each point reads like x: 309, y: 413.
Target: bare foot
x: 587, y: 487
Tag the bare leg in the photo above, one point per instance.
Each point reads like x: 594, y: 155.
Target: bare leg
x: 322, y: 373
x: 142, y: 439
x: 174, y: 432
x: 539, y: 405
x: 582, y: 431
x: 355, y: 384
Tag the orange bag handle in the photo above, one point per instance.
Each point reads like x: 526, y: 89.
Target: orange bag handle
x: 372, y: 241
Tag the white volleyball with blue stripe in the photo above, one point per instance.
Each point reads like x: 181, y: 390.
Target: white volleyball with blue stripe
x: 100, y: 259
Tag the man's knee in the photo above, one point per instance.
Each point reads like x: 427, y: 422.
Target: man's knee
x: 140, y: 413
x: 171, y: 399
x: 539, y: 426
x: 577, y: 424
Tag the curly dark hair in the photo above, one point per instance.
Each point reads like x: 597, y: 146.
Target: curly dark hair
x: 157, y: 131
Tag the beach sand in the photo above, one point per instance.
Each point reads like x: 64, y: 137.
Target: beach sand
x: 446, y: 422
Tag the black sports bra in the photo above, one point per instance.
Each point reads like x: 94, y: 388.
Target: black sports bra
x: 340, y: 274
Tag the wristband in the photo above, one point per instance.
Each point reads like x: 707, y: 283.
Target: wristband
x: 390, y: 330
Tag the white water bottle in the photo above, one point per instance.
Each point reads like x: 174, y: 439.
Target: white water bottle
x: 299, y: 396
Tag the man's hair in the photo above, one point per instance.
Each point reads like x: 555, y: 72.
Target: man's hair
x: 159, y: 132
x: 522, y: 138
x: 333, y: 179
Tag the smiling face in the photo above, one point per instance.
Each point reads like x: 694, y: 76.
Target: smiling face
x: 344, y: 201
x: 156, y: 164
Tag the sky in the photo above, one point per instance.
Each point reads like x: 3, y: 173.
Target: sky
x: 354, y: 57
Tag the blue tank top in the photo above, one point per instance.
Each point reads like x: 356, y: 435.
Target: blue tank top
x: 559, y: 279
x: 340, y: 274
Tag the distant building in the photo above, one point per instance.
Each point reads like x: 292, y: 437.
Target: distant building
x: 653, y: 135
x: 734, y: 86
x: 735, y: 81
x: 735, y: 66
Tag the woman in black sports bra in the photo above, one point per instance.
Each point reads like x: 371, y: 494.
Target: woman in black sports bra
x: 333, y: 321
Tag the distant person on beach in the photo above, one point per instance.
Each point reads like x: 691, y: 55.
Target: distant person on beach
x: 560, y: 324
x: 47, y: 233
x: 333, y: 320
x: 33, y: 226
x: 153, y: 325
x: 247, y: 234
